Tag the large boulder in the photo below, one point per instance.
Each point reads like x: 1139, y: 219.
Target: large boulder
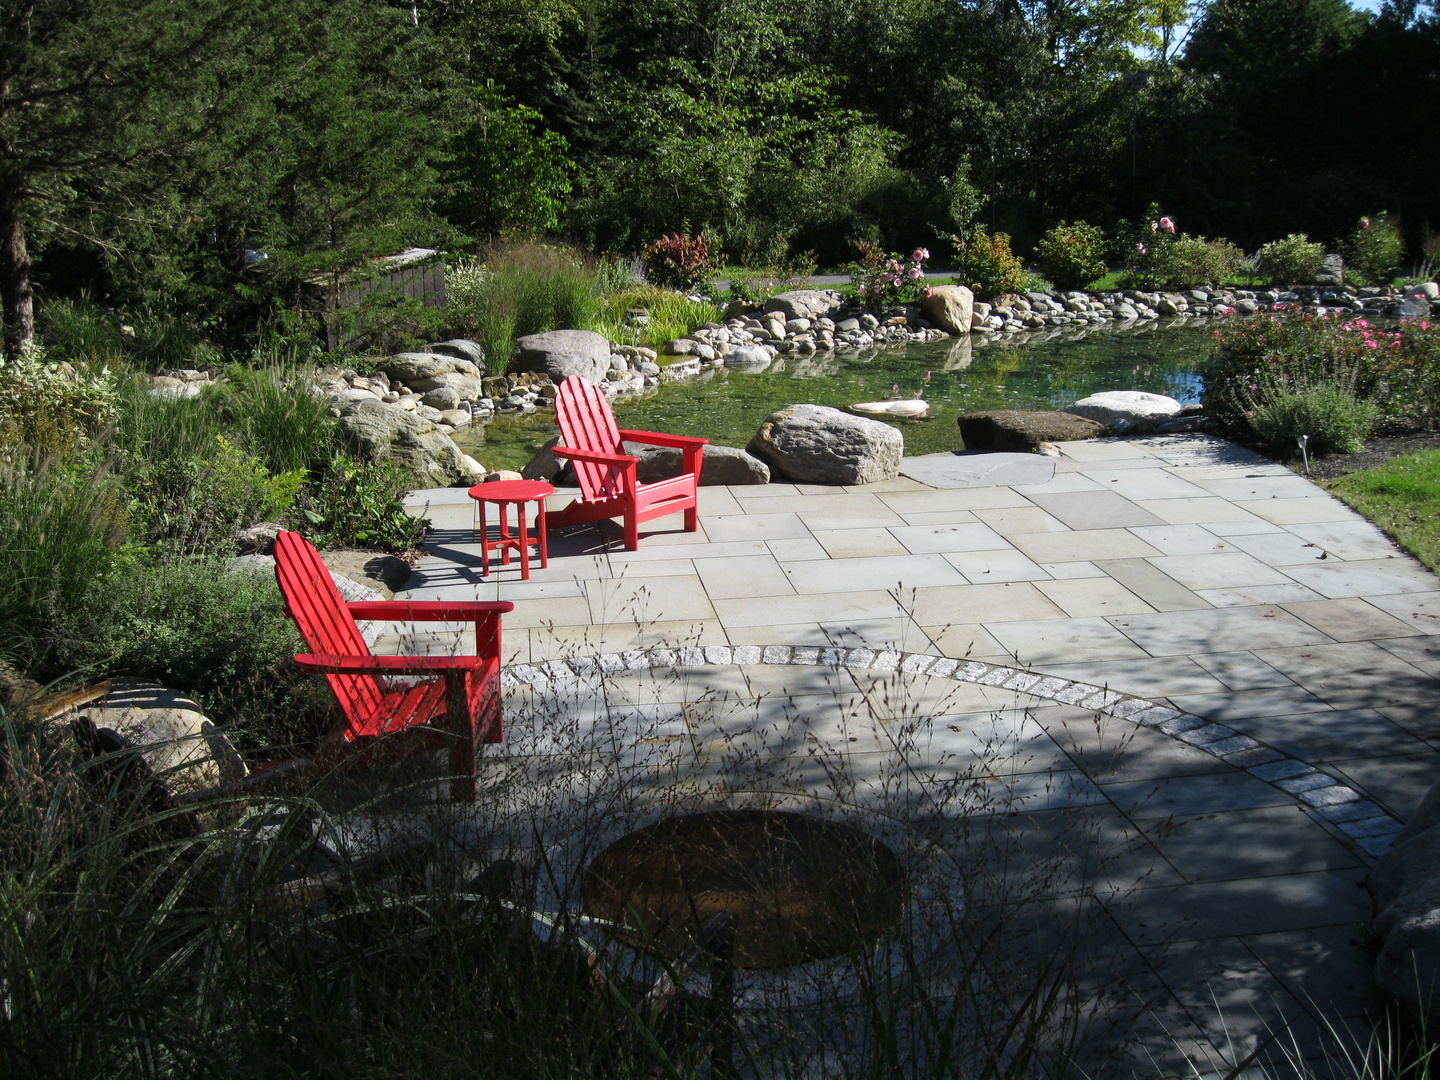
x: 950, y: 307
x: 813, y: 444
x: 1406, y: 888
x: 373, y: 431
x: 1124, y: 409
x: 1023, y: 430
x: 461, y: 349
x: 562, y: 353
x: 423, y: 372
x: 720, y: 465
x: 806, y: 303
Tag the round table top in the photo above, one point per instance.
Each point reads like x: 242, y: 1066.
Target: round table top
x: 512, y: 490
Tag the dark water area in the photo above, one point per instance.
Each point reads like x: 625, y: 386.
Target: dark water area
x: 956, y: 376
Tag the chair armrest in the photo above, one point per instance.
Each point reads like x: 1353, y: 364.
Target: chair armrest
x: 390, y: 665
x: 429, y: 610
x: 600, y: 457
x: 657, y: 438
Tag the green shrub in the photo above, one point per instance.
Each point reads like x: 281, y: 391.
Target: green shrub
x: 987, y: 264
x: 1374, y: 250
x: 53, y: 406
x: 1072, y: 255
x: 1335, y: 420
x: 1156, y: 254
x: 1292, y: 261
x: 355, y: 504
x: 61, y: 530
x: 198, y: 504
x: 1192, y: 261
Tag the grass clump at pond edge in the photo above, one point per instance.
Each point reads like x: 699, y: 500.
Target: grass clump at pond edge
x: 1402, y: 496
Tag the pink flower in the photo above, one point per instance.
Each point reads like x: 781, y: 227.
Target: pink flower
x: 898, y: 281
x: 929, y: 291
x: 1364, y: 223
x: 1167, y: 224
x: 1140, y: 248
x: 860, y: 289
x: 914, y: 273
x: 920, y: 254
x: 1372, y: 344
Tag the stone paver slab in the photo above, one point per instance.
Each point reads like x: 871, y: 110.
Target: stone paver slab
x: 641, y: 600
x: 1258, y: 595
x: 555, y: 641
x: 1145, y: 676
x: 1082, y: 546
x: 1102, y: 450
x: 924, y: 539
x: 1293, y: 511
x: 1202, y: 793
x: 832, y: 609
x: 798, y: 549
x: 969, y: 641
x: 1354, y: 674
x: 1334, y: 736
x: 747, y: 575
x: 1281, y: 548
x: 1252, y: 487
x: 1265, y: 905
x: 1185, y: 539
x: 1189, y: 632
x: 873, y: 572
x: 1003, y: 564
x: 1196, y: 511
x: 1241, y: 843
x: 1010, y: 520
x: 983, y: 604
x: 1037, y: 644
x: 1103, y: 509
x: 1237, y: 707
x: 1396, y: 783
x: 1241, y: 670
x: 1083, y: 597
x: 659, y: 550
x: 921, y: 502
x: 1137, y: 484
x: 1152, y: 585
x: 752, y: 526
x: 1353, y: 541
x: 1219, y: 571
x: 1328, y: 967
x: 1420, y: 609
x: 854, y: 543
x: 1351, y: 619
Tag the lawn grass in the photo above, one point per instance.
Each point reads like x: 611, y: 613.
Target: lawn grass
x: 1402, y: 496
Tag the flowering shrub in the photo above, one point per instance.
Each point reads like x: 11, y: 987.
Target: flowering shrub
x: 881, y: 280
x: 1292, y: 261
x: 988, y: 265
x: 1072, y: 255
x: 679, y: 260
x: 1397, y: 369
x: 1155, y: 253
x: 1374, y: 250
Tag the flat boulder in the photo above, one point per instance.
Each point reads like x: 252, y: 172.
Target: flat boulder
x: 1406, y: 888
x: 950, y: 307
x: 562, y: 353
x: 423, y: 372
x: 374, y: 431
x: 814, y: 444
x: 905, y: 409
x: 720, y: 465
x: 1023, y: 430
x: 806, y: 304
x: 461, y: 349
x: 1124, y: 409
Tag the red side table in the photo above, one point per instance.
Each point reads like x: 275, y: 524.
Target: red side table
x: 502, y: 493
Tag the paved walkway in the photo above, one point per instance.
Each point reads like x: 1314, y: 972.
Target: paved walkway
x: 1223, y: 672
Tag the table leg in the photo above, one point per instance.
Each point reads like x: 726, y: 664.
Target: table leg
x: 524, y: 542
x: 544, y: 535
x: 505, y: 538
x: 484, y: 537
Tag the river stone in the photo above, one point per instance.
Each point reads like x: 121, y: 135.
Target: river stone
x: 1125, y: 408
x: 1023, y: 430
x: 908, y: 409
x: 461, y: 349
x: 423, y: 372
x: 562, y: 353
x: 374, y: 431
x: 806, y: 304
x: 748, y: 358
x: 1424, y: 290
x: 185, y: 751
x: 950, y: 307
x: 442, y: 398
x: 720, y: 465
x: 1406, y: 888
x: 814, y: 444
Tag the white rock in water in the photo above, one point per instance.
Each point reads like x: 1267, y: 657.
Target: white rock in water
x: 910, y: 408
x: 1132, y: 406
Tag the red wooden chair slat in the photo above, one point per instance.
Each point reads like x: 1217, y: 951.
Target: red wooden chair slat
x: 457, y: 708
x: 608, y: 484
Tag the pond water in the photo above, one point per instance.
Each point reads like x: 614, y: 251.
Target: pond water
x: 956, y: 376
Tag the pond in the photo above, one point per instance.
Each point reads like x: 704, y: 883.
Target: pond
x: 956, y: 376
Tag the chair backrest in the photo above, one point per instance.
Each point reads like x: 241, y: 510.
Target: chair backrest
x: 586, y: 423
x: 324, y: 621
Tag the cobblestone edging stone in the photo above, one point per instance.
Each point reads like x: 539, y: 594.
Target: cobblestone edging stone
x: 1363, y: 823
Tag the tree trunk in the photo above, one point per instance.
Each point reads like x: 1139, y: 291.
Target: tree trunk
x: 17, y: 306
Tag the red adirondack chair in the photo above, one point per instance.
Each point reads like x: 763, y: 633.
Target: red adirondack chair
x: 608, y: 485
x: 457, y: 709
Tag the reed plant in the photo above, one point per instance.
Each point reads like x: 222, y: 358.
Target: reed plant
x: 667, y: 315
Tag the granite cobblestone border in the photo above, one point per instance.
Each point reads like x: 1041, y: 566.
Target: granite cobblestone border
x: 1362, y: 822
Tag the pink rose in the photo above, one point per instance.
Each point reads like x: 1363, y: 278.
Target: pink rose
x: 1140, y: 248
x: 920, y: 254
x: 1167, y: 224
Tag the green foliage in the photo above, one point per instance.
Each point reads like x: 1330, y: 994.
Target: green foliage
x: 1374, y: 250
x: 355, y: 504
x: 668, y: 315
x: 987, y: 264
x: 1334, y: 419
x: 678, y: 261
x: 1292, y: 261
x: 277, y: 415
x: 79, y: 330
x: 1072, y: 255
x: 523, y: 288
x: 61, y: 529
x: 1155, y: 254
x: 50, y: 405
x: 197, y: 504
x: 508, y: 171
